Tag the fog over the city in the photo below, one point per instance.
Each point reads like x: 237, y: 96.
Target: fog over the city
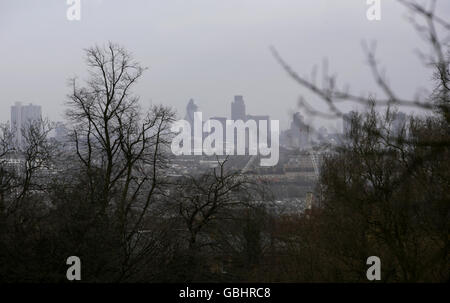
x: 205, y: 50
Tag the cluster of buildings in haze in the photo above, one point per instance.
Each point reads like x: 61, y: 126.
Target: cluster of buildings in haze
x: 300, y: 135
x: 25, y: 115
x: 292, y: 179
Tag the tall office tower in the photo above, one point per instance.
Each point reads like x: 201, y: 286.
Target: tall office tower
x: 21, y: 117
x: 196, y: 138
x: 298, y: 121
x: 223, y: 123
x: 238, y: 109
x: 61, y: 132
x: 398, y: 123
x: 257, y: 119
x: 347, y: 121
x: 322, y: 134
x: 300, y: 131
x: 191, y: 108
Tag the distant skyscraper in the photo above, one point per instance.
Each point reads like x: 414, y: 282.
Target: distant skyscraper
x: 61, y: 132
x: 258, y: 118
x: 297, y: 121
x: 21, y: 117
x: 191, y: 108
x: 347, y: 122
x: 223, y: 123
x: 299, y: 131
x: 322, y: 133
x: 398, y: 123
x: 238, y: 109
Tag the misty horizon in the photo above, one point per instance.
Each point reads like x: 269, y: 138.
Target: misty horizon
x: 206, y: 51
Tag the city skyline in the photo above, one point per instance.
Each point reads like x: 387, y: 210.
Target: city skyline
x: 191, y: 108
x: 22, y: 116
x: 213, y: 143
x: 205, y: 56
x: 237, y: 112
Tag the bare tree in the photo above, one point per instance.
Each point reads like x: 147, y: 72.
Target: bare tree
x: 30, y: 158
x: 122, y: 150
x: 208, y: 210
x: 382, y: 192
x: 200, y: 200
x: 6, y: 176
x: 430, y: 29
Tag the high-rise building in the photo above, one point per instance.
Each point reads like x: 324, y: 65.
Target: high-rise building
x: 300, y: 131
x: 322, y: 133
x: 191, y: 108
x: 196, y: 138
x: 347, y: 121
x: 21, y: 117
x: 238, y: 109
x: 223, y: 123
x: 258, y: 118
x: 398, y: 123
x: 61, y: 132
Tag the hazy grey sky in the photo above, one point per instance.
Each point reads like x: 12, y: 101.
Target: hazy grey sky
x: 209, y: 50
